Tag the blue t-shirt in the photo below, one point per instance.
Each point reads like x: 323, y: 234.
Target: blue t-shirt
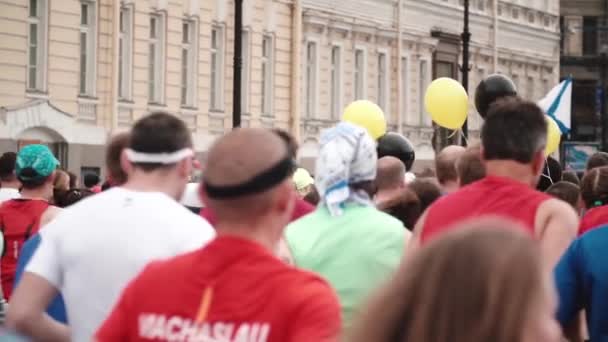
x: 582, y: 282
x: 57, y: 307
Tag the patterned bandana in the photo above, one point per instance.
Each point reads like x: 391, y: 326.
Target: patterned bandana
x: 347, y: 156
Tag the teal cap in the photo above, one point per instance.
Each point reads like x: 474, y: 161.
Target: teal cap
x: 35, y: 162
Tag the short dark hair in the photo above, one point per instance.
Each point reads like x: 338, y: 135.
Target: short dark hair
x: 427, y: 190
x: 572, y: 177
x: 159, y: 132
x: 513, y: 130
x: 470, y: 167
x: 598, y: 159
x: 7, y: 166
x: 113, y: 152
x: 594, y: 187
x: 405, y: 207
x: 34, y: 183
x: 565, y: 191
x: 552, y: 173
x: 91, y: 179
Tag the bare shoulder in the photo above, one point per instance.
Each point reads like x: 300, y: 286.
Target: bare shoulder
x: 49, y: 214
x: 556, y: 212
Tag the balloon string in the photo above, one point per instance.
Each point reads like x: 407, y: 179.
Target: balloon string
x: 548, y: 171
x: 465, y: 139
x: 453, y: 134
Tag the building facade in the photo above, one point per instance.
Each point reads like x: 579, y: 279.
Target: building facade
x: 401, y: 46
x: 73, y: 72
x: 584, y: 56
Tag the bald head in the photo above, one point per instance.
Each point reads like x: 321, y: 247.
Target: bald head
x: 391, y: 174
x: 238, y: 158
x: 445, y: 164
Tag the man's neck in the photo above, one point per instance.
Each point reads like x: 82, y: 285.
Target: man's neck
x: 387, y: 194
x: 11, y: 185
x: 152, y: 182
x: 512, y: 170
x: 449, y: 187
x: 249, y: 232
x: 38, y: 193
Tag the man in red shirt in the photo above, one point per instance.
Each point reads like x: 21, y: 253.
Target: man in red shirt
x: 234, y: 289
x: 513, y: 139
x: 301, y: 207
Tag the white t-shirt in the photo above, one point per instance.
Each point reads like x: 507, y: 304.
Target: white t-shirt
x: 91, y: 250
x: 8, y: 194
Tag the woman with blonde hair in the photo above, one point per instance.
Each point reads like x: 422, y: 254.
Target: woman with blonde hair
x: 483, y: 284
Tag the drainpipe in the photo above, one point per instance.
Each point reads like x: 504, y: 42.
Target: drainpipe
x: 400, y: 66
x: 495, y: 40
x: 296, y: 38
x: 114, y: 79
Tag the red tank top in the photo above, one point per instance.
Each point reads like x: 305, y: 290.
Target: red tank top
x: 593, y: 218
x: 19, y: 220
x: 491, y: 196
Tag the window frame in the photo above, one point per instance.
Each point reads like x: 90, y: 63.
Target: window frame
x: 267, y: 70
x: 405, y: 88
x: 362, y: 93
x: 89, y: 31
x: 125, y: 59
x: 189, y: 70
x: 383, y: 89
x: 424, y: 118
x: 157, y: 95
x: 41, y: 51
x: 336, y: 82
x: 311, y: 79
x: 216, y: 96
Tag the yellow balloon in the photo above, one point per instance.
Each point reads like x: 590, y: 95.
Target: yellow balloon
x: 447, y: 103
x: 368, y: 115
x: 554, y: 136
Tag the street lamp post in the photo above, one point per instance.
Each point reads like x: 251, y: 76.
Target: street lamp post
x: 238, y: 63
x: 466, y: 38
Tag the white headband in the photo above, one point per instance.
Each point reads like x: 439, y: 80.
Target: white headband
x: 162, y: 158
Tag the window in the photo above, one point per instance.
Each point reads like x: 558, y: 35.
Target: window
x: 336, y: 83
x: 156, y: 59
x: 382, y: 81
x: 87, y: 48
x: 515, y: 13
x: 404, y: 86
x: 531, y: 17
x: 311, y: 78
x: 359, y: 80
x: 125, y: 41
x: 423, y: 81
x: 217, y: 67
x: 590, y: 35
x: 37, y: 30
x: 246, y: 71
x: 481, y: 5
x: 188, y: 84
x: 267, y: 74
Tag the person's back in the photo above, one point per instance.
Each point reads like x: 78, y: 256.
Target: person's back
x: 94, y: 248
x: 251, y: 293
x: 513, y: 138
x: 19, y: 220
x: 126, y: 230
x: 492, y: 196
x: 347, y: 240
x: 355, y: 252
x: 235, y: 288
x: 582, y: 283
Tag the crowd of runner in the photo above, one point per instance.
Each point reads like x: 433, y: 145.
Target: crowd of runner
x: 498, y: 245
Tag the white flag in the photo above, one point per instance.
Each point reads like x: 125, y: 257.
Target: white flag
x: 558, y: 104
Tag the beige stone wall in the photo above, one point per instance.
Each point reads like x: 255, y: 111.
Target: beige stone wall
x: 272, y: 17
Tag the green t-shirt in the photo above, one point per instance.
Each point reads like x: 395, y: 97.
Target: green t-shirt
x: 354, y: 252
